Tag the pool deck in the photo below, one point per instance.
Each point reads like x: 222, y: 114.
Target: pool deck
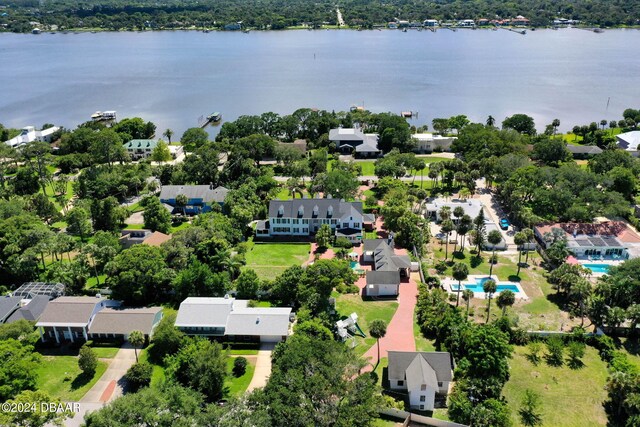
x: 450, y: 285
x: 610, y: 262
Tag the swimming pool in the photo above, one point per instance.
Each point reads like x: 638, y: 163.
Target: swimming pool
x: 597, y: 268
x: 354, y: 265
x: 477, y: 287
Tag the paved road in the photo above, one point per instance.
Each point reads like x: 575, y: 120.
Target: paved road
x: 111, y: 384
x: 263, y: 367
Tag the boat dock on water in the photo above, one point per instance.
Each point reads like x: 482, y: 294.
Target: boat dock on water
x: 99, y: 116
x: 211, y: 118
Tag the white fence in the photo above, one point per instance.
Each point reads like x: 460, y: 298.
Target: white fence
x: 408, y: 417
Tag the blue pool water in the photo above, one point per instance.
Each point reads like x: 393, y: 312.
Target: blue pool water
x: 597, y: 268
x: 478, y: 286
x: 354, y: 264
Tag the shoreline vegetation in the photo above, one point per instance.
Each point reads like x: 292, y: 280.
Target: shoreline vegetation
x: 301, y: 28
x: 241, y: 15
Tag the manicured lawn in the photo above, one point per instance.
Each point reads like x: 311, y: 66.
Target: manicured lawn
x: 60, y: 377
x: 285, y: 194
x: 51, y: 195
x: 237, y: 385
x: 158, y: 375
x: 271, y: 259
x: 105, y: 352
x: 367, y: 312
x: 568, y: 397
x: 134, y: 227
x: 93, y: 282
x: 422, y: 343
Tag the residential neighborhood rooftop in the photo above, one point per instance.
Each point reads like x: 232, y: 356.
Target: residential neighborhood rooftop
x: 124, y: 320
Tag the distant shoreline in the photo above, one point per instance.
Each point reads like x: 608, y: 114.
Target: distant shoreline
x: 324, y: 28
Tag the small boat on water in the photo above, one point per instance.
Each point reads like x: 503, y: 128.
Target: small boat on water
x: 103, y: 115
x: 214, y: 117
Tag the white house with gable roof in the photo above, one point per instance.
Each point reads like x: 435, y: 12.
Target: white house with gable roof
x: 30, y: 134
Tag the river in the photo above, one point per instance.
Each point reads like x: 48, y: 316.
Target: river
x: 172, y: 78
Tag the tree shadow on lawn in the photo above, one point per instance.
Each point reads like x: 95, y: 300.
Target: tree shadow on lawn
x: 81, y: 380
x: 514, y: 278
x: 476, y: 261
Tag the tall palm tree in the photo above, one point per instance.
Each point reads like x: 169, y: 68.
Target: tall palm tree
x: 458, y: 213
x: 378, y: 329
x: 519, y: 239
x: 494, y: 237
x: 505, y: 299
x: 460, y: 273
x: 467, y: 296
x: 581, y: 291
x: 447, y: 227
x: 530, y: 237
x: 491, y: 121
x: 136, y: 338
x: 490, y: 287
x: 168, y: 134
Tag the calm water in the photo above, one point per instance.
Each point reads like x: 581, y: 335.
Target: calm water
x: 172, y: 78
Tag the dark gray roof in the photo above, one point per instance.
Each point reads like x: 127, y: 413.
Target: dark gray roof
x: 368, y: 217
x: 30, y: 289
x: 7, y: 306
x: 584, y: 149
x: 124, y: 320
x: 383, y: 277
x: 347, y: 232
x: 204, y: 192
x: 69, y: 311
x: 304, y: 208
x: 32, y: 311
x: 384, y: 258
x: 440, y: 362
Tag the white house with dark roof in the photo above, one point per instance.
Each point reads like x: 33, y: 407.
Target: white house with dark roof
x: 303, y: 218
x: 231, y: 319
x: 351, y: 140
x: 388, y: 268
x: 424, y: 375
x: 70, y: 318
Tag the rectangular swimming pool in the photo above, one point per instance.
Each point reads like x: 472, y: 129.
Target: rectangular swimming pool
x: 477, y: 287
x: 598, y: 268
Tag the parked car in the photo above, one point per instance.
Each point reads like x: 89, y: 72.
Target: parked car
x: 504, y: 223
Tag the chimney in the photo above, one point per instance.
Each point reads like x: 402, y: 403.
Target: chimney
x: 211, y: 186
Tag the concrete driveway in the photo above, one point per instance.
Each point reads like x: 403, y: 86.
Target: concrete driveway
x: 263, y: 367
x: 112, y: 382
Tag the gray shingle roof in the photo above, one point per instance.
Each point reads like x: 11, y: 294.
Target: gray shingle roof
x: 384, y: 258
x: 291, y: 208
x: 32, y: 311
x: 124, y: 320
x: 206, y: 312
x: 259, y: 321
x: 72, y: 311
x: 204, y: 192
x: 383, y: 277
x: 7, y: 306
x: 420, y: 372
x: 439, y: 361
x: 584, y: 149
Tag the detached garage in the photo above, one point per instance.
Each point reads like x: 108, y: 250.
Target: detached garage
x: 382, y: 283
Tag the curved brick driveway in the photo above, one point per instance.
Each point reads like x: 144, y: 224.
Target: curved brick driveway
x: 399, y: 335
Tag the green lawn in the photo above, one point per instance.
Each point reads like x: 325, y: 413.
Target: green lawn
x: 285, y: 194
x: 51, y: 195
x: 105, y: 352
x: 236, y: 386
x: 158, y: 375
x: 271, y: 259
x: 568, y: 397
x: 422, y: 343
x: 367, y: 311
x: 93, y: 282
x: 60, y: 377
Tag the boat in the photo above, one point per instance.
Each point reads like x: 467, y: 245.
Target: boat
x: 103, y: 115
x: 35, y: 31
x: 214, y: 117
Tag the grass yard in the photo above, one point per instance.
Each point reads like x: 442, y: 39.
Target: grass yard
x: 236, y: 386
x: 105, y: 352
x: 158, y: 375
x: 92, y: 282
x: 367, y: 312
x: 60, y: 377
x: 422, y: 343
x: 285, y: 194
x: 568, y: 397
x: 271, y: 259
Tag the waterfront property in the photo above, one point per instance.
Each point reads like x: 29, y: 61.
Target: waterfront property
x: 232, y: 320
x: 354, y: 141
x: 199, y: 197
x: 29, y: 134
x: 629, y: 141
x: 140, y: 148
x: 388, y: 268
x: 69, y: 318
x: 117, y: 323
x: 428, y: 142
x: 423, y: 375
x: 476, y: 285
x: 608, y: 240
x: 303, y: 218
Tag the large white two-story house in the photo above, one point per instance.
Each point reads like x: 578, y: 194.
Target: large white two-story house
x: 303, y: 218
x: 30, y: 134
x: 354, y: 141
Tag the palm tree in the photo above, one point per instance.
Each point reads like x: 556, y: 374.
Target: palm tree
x: 491, y: 121
x: 378, y: 329
x: 490, y: 287
x: 136, y: 338
x: 556, y: 124
x: 494, y: 237
x: 505, y: 299
x: 458, y: 213
x: 447, y: 227
x: 530, y: 236
x: 460, y: 273
x: 464, y: 225
x: 168, y: 134
x: 519, y: 239
x: 581, y: 291
x: 181, y: 202
x: 467, y: 295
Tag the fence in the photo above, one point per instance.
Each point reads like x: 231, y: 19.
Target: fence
x: 408, y: 418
